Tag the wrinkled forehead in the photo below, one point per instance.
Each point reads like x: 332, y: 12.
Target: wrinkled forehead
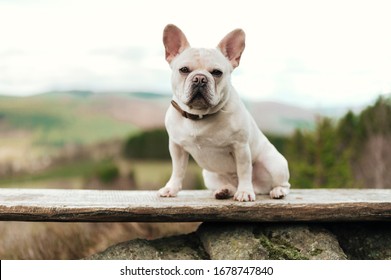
x: 200, y: 58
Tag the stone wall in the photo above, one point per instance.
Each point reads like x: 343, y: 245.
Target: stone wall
x: 258, y: 241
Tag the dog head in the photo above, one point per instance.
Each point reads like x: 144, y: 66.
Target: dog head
x: 201, y: 77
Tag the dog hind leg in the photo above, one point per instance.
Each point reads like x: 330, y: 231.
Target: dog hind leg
x: 224, y: 186
x: 271, y: 176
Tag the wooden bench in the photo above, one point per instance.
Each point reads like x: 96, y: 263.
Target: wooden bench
x: 315, y: 205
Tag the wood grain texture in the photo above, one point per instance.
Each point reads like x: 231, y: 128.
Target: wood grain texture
x: 315, y: 205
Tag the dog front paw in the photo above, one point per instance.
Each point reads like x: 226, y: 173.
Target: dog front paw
x: 168, y: 192
x: 278, y: 192
x: 244, y: 196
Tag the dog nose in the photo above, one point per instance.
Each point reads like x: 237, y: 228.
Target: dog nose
x: 200, y: 80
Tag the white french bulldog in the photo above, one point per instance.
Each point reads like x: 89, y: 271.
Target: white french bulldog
x: 208, y: 120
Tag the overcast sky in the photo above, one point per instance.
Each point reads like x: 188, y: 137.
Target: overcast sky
x: 308, y: 53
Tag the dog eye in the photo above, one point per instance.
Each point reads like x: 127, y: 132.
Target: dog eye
x: 184, y: 70
x: 217, y: 73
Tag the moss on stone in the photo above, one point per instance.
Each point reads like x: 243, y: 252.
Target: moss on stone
x: 279, y: 249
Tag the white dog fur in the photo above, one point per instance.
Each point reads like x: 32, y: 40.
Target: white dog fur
x: 237, y: 159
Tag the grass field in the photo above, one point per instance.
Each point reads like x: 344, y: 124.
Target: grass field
x: 55, y: 120
x: 145, y: 174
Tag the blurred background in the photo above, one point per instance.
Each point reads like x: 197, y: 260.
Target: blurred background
x: 84, y: 88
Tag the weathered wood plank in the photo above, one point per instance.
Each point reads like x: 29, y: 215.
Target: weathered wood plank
x: 125, y: 206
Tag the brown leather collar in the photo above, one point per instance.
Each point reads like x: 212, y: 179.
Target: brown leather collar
x: 188, y: 115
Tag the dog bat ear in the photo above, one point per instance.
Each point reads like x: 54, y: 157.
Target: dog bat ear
x: 232, y: 46
x: 174, y: 41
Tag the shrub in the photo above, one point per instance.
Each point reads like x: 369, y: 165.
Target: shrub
x: 152, y: 144
x: 108, y: 173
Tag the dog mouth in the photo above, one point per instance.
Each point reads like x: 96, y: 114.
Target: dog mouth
x: 199, y: 99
